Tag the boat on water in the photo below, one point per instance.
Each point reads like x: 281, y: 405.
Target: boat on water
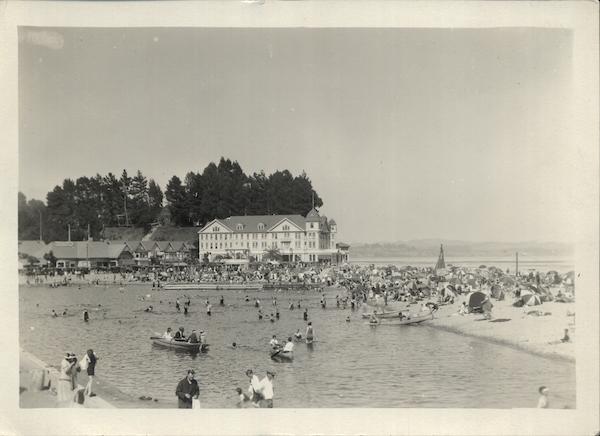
x: 282, y: 356
x: 382, y: 315
x: 415, y: 319
x: 178, y: 345
x: 213, y: 286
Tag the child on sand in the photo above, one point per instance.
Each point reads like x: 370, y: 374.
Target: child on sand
x: 543, y: 399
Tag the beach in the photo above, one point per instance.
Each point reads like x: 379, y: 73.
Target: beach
x: 523, y: 350
x: 511, y: 326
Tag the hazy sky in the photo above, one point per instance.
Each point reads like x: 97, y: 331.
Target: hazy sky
x: 405, y: 133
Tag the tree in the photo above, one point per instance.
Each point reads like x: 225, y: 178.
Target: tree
x: 273, y: 254
x: 50, y: 258
x: 175, y: 195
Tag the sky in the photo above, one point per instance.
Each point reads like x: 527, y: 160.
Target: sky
x: 406, y: 134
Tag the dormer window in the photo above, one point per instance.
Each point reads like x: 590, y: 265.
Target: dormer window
x: 239, y: 227
x: 261, y: 226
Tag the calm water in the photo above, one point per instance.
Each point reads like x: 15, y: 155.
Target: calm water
x: 526, y: 263
x: 351, y: 365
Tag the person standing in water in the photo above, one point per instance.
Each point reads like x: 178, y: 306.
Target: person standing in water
x: 208, y: 309
x: 86, y: 316
x: 187, y: 389
x: 305, y: 315
x: 222, y: 301
x: 543, y: 399
x: 309, y: 333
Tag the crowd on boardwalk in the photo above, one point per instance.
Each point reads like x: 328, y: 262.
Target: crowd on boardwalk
x: 270, y: 272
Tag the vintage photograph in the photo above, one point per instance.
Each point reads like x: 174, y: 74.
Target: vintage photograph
x: 299, y: 218
x: 296, y: 218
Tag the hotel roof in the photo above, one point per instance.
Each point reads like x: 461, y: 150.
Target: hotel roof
x: 250, y: 222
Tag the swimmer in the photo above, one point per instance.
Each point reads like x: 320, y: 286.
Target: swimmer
x: 347, y: 319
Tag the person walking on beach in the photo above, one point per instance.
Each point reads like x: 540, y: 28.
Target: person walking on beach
x: 187, y: 389
x: 208, y: 309
x: 305, y: 315
x: 88, y: 364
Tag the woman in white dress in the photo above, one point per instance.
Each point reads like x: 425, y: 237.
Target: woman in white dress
x: 64, y: 390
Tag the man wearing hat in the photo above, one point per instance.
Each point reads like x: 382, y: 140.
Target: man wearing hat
x: 187, y: 389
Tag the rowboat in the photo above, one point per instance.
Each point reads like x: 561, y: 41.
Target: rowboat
x: 410, y: 320
x: 383, y: 315
x: 178, y: 345
x: 209, y: 286
x: 282, y: 356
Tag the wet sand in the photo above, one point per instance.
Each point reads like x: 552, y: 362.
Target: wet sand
x: 512, y: 326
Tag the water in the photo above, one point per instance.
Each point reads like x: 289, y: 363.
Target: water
x: 351, y: 364
x: 526, y: 264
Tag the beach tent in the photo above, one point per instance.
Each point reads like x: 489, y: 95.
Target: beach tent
x: 531, y: 299
x: 475, y: 299
x: 448, y: 292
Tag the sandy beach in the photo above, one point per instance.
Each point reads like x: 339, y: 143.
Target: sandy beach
x: 513, y: 327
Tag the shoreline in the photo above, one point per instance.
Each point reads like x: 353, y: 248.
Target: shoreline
x: 107, y: 396
x: 538, y: 336
x: 46, y: 398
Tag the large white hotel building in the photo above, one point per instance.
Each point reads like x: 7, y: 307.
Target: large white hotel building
x: 297, y: 238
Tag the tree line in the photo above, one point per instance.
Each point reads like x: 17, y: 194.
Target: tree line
x: 219, y: 191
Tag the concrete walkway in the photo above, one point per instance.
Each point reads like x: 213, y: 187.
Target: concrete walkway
x: 31, y: 398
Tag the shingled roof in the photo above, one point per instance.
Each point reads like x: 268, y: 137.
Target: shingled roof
x: 250, y: 223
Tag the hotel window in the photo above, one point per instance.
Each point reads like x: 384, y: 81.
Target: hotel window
x: 225, y: 236
x: 297, y: 244
x: 312, y: 226
x: 286, y: 227
x: 274, y: 235
x: 239, y: 227
x: 286, y: 235
x: 261, y: 226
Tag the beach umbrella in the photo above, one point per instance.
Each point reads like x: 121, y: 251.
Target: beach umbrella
x: 507, y: 280
x: 475, y: 299
x: 531, y: 299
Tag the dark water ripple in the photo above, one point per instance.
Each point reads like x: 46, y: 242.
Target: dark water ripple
x: 351, y: 364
